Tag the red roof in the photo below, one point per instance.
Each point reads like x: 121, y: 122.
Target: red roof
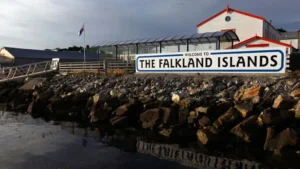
x: 227, y: 9
x: 260, y: 38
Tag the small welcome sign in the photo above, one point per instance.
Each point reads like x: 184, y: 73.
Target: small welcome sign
x: 266, y: 60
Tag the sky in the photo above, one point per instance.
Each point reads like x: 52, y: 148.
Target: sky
x: 48, y: 24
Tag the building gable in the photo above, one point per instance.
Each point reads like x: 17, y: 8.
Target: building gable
x: 232, y: 19
x: 258, y: 41
x: 230, y: 10
x: 6, y: 53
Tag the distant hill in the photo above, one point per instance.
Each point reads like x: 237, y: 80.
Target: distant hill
x: 74, y: 48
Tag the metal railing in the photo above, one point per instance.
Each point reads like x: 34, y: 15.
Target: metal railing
x: 103, y: 66
x: 23, y: 71
x: 79, y: 66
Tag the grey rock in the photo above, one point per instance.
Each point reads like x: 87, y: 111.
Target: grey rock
x: 75, y: 86
x: 232, y: 88
x: 220, y: 88
x: 113, y: 93
x: 147, y: 90
x: 121, y: 96
x: 161, y: 91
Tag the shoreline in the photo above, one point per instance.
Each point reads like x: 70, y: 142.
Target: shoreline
x: 218, y: 113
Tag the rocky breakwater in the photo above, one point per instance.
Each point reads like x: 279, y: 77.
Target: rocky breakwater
x: 221, y: 112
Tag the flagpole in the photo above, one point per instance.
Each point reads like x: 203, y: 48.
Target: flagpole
x: 84, y: 42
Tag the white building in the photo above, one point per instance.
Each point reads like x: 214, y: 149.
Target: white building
x: 253, y: 31
x: 291, y: 38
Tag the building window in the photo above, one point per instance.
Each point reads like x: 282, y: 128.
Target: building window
x: 227, y: 18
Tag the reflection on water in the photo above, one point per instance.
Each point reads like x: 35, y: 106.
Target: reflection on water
x: 32, y: 143
x: 171, y: 152
x: 27, y: 143
x: 192, y: 158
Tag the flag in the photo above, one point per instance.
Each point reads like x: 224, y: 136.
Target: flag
x: 81, y: 30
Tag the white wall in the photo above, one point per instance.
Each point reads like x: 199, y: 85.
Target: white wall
x: 293, y: 42
x: 246, y: 27
x: 263, y: 42
x: 5, y: 56
x: 202, y: 46
x: 5, y: 53
x: 225, y: 45
x: 270, y: 32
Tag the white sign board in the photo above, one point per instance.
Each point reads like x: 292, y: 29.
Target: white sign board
x: 54, y: 64
x: 265, y: 60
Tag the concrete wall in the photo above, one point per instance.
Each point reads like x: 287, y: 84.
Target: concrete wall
x: 245, y: 26
x: 293, y: 42
x: 270, y: 32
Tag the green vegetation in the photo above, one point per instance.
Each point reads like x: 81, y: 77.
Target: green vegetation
x: 75, y: 48
x: 281, y: 30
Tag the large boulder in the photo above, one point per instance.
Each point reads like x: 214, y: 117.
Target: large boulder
x: 151, y: 105
x: 60, y: 106
x: 271, y: 117
x: 121, y: 111
x: 270, y: 143
x: 192, y: 120
x: 119, y: 121
x: 150, y: 118
x: 158, y: 118
x: 256, y: 100
x: 247, y: 130
x: 165, y: 132
x: 46, y: 96
x: 176, y: 98
x: 228, y: 119
x: 102, y: 97
x: 208, y: 135
x: 287, y: 137
x: 37, y: 108
x: 201, y: 109
x: 4, y: 95
x: 81, y: 98
x: 296, y: 109
x: 183, y: 115
x: 248, y: 93
x: 100, y: 110
x: 295, y: 93
x: 170, y: 115
x: 245, y: 109
x: 185, y: 103
x: 216, y: 110
x: 283, y: 102
x: 204, y: 121
x: 20, y: 99
x: 131, y: 110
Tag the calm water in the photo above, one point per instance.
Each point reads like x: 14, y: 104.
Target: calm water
x: 28, y: 143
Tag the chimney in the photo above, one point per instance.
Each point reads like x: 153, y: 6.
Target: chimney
x: 270, y: 22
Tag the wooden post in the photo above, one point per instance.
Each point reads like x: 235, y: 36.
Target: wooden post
x: 104, y: 66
